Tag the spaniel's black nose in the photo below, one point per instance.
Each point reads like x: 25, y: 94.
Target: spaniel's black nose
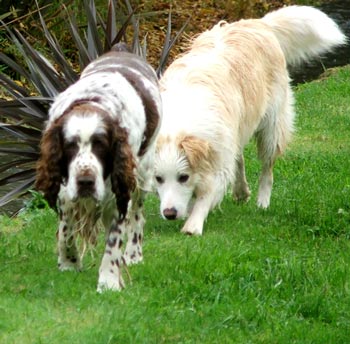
x: 86, y: 185
x: 170, y: 213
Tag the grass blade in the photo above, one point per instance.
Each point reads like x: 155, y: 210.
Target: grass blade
x: 21, y: 151
x: 168, y: 44
x: 15, y: 163
x: 130, y: 19
x: 18, y: 190
x: 95, y: 47
x: 17, y: 177
x: 58, y: 53
x: 84, y: 56
x: 12, y: 87
x: 110, y: 28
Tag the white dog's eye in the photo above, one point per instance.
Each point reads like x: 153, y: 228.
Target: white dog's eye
x: 159, y: 180
x: 183, y: 178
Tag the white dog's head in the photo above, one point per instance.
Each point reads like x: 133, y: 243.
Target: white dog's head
x: 179, y: 164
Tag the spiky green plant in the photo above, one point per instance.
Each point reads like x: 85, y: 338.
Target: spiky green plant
x: 23, y: 113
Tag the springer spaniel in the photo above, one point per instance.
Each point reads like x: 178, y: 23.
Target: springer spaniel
x: 97, y: 157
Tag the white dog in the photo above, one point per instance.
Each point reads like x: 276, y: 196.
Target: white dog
x: 230, y: 85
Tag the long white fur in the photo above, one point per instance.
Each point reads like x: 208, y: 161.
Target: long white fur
x: 303, y: 32
x: 232, y: 84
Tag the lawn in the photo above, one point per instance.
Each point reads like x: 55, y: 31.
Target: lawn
x: 256, y: 276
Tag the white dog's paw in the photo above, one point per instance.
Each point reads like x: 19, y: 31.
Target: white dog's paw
x: 110, y: 280
x: 192, y: 228
x: 241, y: 195
x: 263, y: 202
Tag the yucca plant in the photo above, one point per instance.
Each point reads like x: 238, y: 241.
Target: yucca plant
x: 23, y: 111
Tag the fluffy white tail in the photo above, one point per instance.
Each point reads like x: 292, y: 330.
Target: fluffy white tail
x: 304, y: 32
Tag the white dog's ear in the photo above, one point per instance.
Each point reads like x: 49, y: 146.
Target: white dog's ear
x: 198, y: 151
x: 161, y: 142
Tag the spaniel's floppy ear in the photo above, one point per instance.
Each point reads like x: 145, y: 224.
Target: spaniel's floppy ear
x: 197, y: 150
x: 49, y: 167
x: 123, y: 174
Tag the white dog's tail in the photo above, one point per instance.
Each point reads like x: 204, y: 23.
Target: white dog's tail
x: 304, y: 32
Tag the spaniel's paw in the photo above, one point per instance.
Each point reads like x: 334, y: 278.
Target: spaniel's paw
x: 110, y: 280
x: 69, y: 264
x: 133, y: 254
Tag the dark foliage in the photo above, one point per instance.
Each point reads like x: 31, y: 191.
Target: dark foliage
x: 23, y: 111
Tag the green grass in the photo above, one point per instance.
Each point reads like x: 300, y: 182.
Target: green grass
x: 275, y: 276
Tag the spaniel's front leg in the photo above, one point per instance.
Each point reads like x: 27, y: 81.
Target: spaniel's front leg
x: 68, y: 257
x: 110, y: 277
x: 134, y: 228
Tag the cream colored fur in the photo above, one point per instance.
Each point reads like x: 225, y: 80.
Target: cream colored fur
x: 232, y: 84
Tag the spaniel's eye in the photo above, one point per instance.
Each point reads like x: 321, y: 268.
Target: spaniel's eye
x: 183, y: 178
x: 69, y: 146
x: 159, y: 180
x: 97, y: 142
x: 70, y: 149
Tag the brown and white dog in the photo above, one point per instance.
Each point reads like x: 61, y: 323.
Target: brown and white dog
x: 232, y: 84
x: 97, y: 157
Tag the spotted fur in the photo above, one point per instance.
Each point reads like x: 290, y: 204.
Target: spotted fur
x: 96, y: 161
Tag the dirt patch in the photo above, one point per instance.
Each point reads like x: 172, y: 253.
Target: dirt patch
x: 202, y: 15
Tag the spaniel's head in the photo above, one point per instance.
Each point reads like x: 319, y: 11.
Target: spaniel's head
x: 81, y: 149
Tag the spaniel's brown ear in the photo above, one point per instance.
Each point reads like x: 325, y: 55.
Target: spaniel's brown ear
x: 49, y: 165
x: 123, y: 174
x: 197, y: 150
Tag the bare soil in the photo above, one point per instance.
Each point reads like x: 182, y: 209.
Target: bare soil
x: 202, y: 15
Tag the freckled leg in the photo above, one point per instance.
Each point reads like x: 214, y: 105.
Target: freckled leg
x: 110, y: 277
x: 241, y: 190
x: 68, y: 257
x: 134, y: 230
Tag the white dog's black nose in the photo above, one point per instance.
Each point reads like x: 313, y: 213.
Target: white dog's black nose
x: 170, y: 213
x: 86, y: 185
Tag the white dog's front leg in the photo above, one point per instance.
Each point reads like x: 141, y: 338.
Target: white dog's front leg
x: 265, y: 186
x: 199, y: 213
x: 110, y: 277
